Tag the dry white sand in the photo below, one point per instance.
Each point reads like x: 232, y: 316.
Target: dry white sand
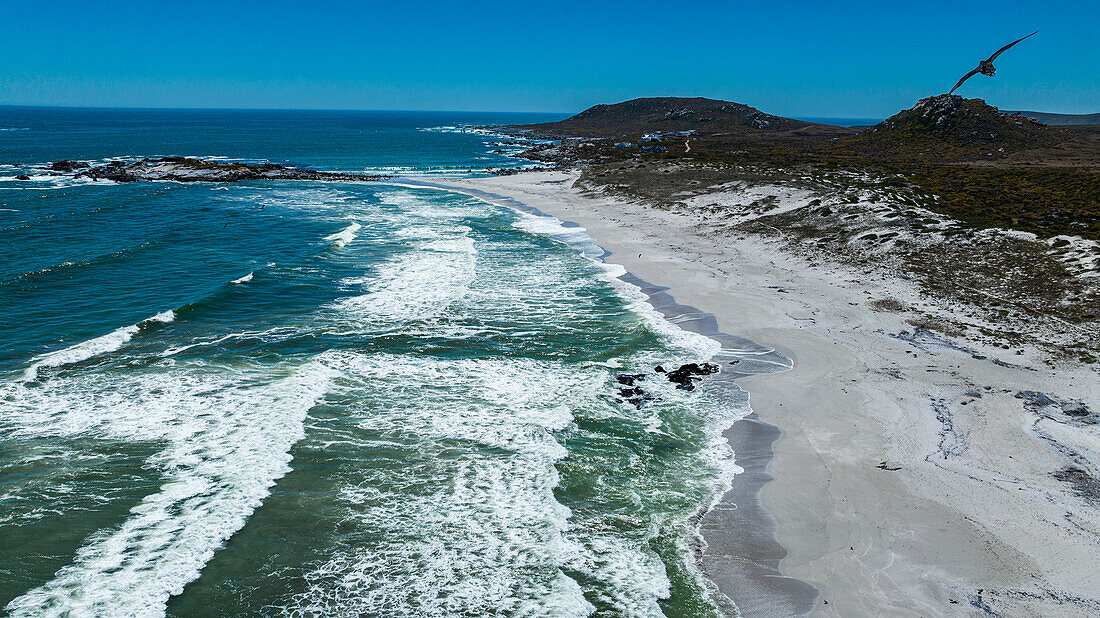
x: 910, y: 480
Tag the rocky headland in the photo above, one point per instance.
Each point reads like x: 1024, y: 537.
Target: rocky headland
x: 188, y: 169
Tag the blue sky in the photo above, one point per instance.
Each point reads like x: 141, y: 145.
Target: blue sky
x: 854, y: 59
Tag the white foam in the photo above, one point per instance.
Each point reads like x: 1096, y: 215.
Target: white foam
x: 484, y: 534
x: 92, y: 347
x: 314, y: 199
x: 164, y: 317
x: 49, y: 182
x: 244, y: 279
x: 227, y: 439
x: 632, y: 572
x: 344, y: 236
x: 696, y: 346
x: 262, y: 335
x: 415, y: 285
x: 552, y: 228
x: 693, y: 345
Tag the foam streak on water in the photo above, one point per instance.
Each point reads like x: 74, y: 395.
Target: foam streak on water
x: 226, y: 442
x: 93, y: 347
x: 344, y: 236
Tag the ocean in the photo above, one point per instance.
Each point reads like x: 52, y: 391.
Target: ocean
x: 331, y: 399
x: 841, y: 122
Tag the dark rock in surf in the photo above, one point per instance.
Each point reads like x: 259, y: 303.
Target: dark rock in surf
x: 685, y: 377
x: 630, y: 392
x: 65, y: 165
x: 639, y: 397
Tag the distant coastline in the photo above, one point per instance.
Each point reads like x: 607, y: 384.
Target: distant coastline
x: 840, y: 122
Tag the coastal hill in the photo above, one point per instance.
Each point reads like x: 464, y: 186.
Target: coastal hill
x: 631, y: 119
x: 949, y: 127
x: 985, y: 167
x: 938, y: 129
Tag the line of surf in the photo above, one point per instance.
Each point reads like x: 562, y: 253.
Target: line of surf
x: 91, y: 348
x: 344, y: 236
x: 227, y: 441
x: 738, y: 357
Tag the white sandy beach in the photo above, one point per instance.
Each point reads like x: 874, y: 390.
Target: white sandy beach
x: 910, y: 478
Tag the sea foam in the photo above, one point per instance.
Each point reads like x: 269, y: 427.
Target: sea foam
x: 93, y: 347
x: 344, y: 236
x: 697, y: 346
x: 484, y: 533
x: 227, y: 439
x: 415, y: 285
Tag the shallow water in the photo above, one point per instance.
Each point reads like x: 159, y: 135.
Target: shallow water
x: 329, y: 399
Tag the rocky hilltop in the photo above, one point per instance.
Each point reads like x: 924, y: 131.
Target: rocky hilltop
x: 949, y: 126
x: 186, y: 169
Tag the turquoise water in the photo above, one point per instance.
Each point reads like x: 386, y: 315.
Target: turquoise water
x: 307, y: 399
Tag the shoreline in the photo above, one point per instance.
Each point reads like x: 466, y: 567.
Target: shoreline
x: 741, y: 554
x: 910, y: 477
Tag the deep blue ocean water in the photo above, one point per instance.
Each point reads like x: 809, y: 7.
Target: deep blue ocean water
x: 304, y: 398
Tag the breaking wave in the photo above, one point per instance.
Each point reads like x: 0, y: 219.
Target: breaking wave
x: 344, y: 236
x: 93, y: 347
x: 227, y: 439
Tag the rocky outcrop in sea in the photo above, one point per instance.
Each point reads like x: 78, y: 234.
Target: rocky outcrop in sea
x: 186, y: 169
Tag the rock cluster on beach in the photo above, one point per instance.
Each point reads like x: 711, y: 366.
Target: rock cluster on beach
x: 630, y: 391
x: 187, y: 169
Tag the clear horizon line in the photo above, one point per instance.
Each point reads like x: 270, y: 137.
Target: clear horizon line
x: 278, y: 109
x: 425, y: 111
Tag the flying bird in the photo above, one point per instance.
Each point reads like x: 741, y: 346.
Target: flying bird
x: 985, y: 67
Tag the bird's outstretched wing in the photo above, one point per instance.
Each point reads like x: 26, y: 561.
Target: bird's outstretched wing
x: 964, y: 78
x: 1001, y: 50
